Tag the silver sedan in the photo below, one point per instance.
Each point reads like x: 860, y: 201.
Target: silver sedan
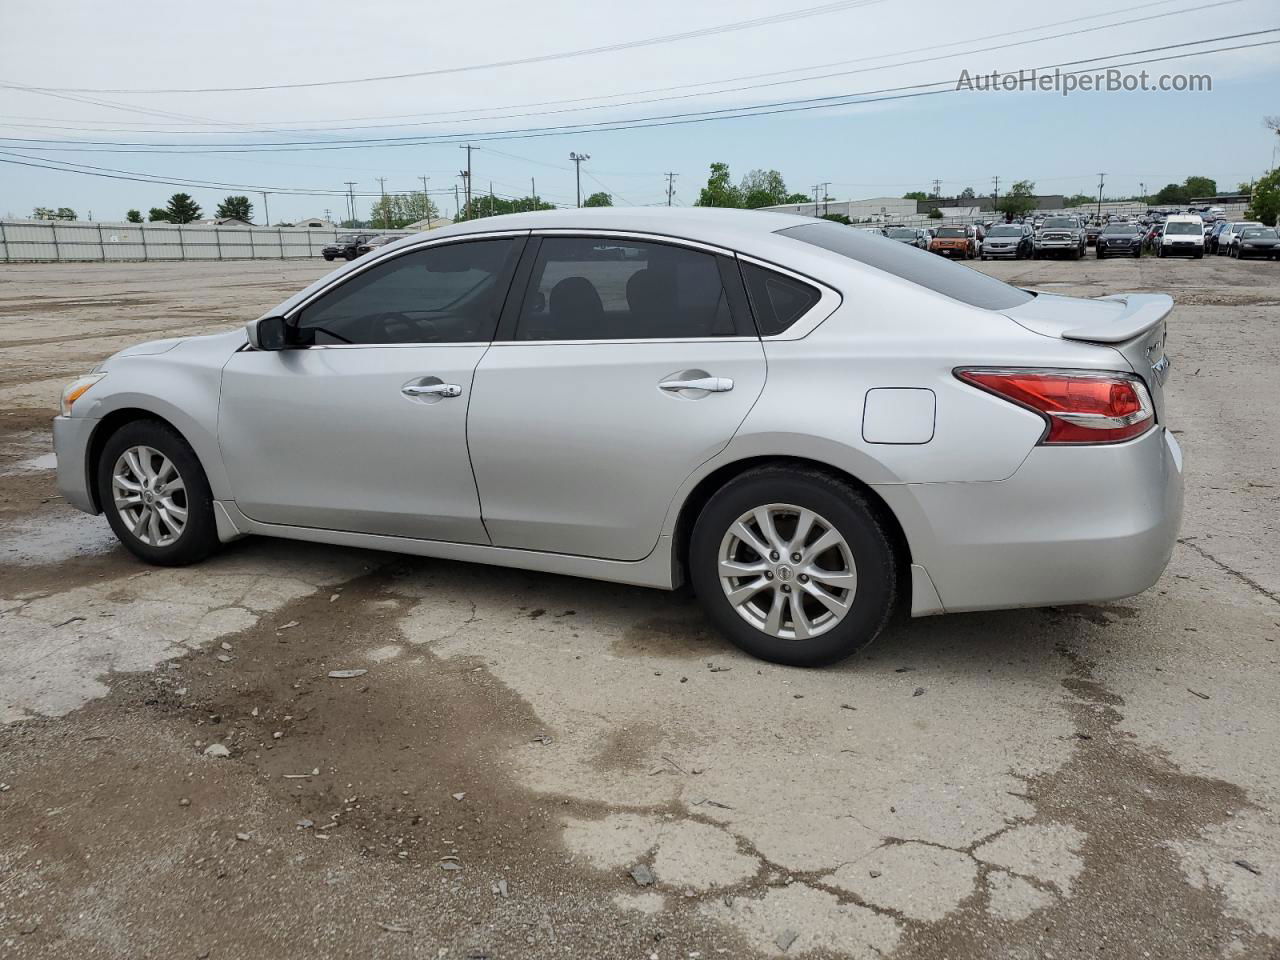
x: 811, y: 424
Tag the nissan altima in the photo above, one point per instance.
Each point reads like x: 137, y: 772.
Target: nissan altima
x: 809, y: 423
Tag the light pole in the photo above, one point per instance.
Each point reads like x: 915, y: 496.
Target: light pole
x: 577, y: 159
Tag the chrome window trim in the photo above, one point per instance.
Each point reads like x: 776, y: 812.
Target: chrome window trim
x: 378, y: 258
x: 583, y: 343
x: 829, y: 301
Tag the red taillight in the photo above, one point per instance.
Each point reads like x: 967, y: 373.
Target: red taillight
x: 1079, y: 406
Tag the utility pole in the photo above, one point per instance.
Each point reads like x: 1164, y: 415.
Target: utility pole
x: 266, y: 210
x: 491, y: 198
x: 816, y: 188
x: 456, y: 209
x: 382, y: 186
x: 937, y: 188
x: 351, y: 200
x: 426, y: 199
x: 995, y: 193
x: 826, y: 195
x: 1143, y: 187
x: 533, y: 196
x: 1101, y: 180
x: 466, y: 177
x: 671, y: 185
x: 577, y: 159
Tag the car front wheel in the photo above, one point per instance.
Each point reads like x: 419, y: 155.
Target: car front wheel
x: 793, y: 566
x: 155, y: 495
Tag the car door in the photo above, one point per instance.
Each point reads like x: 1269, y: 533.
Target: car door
x: 361, y: 426
x: 627, y: 363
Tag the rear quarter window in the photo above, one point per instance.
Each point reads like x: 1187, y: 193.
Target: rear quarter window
x: 777, y: 300
x: 927, y: 270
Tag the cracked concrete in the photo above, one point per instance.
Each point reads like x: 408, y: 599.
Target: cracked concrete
x: 1077, y: 781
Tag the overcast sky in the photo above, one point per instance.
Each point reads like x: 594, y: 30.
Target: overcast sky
x: 85, y: 49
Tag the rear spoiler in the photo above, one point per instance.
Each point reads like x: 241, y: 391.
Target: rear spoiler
x: 1142, y: 312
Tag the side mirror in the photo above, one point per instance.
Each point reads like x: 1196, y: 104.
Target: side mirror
x: 268, y: 333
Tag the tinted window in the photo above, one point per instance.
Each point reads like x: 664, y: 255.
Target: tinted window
x: 911, y: 263
x: 1005, y: 232
x: 597, y: 288
x: 1183, y: 228
x: 1253, y: 232
x: 900, y: 233
x: 1118, y: 230
x: 952, y: 232
x: 1061, y: 222
x: 777, y: 300
x: 445, y: 294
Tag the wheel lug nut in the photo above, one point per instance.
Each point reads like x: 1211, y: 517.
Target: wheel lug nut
x: 804, y: 578
x: 795, y: 558
x: 773, y: 555
x: 786, y: 588
x: 768, y: 574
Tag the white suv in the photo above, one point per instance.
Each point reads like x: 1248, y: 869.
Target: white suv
x: 1230, y: 232
x: 1182, y: 235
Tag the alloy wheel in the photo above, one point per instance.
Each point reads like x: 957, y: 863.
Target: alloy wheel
x: 149, y: 495
x: 787, y: 571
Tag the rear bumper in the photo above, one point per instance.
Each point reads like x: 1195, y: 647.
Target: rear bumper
x: 71, y: 437
x: 1072, y: 525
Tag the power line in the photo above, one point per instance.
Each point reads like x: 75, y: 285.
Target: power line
x: 661, y: 120
x: 739, y: 89
x: 515, y: 62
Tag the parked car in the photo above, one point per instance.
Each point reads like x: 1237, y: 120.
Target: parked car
x: 520, y: 399
x: 1182, y: 236
x: 1061, y: 235
x: 1229, y: 233
x: 1151, y: 239
x: 1211, y: 240
x: 909, y: 235
x: 955, y: 242
x: 346, y: 246
x: 1091, y: 232
x: 1012, y: 240
x: 1261, y: 242
x: 373, y: 243
x: 1119, y: 239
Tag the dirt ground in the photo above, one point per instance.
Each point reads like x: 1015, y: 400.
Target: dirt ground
x: 525, y: 753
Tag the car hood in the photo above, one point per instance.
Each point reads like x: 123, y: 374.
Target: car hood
x: 230, y: 341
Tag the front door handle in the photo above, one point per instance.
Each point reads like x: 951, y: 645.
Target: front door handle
x: 431, y: 390
x: 709, y: 384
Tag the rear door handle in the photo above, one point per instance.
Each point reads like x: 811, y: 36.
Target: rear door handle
x: 431, y: 390
x: 709, y: 384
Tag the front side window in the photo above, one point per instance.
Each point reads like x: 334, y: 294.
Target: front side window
x: 450, y: 293
x: 600, y: 288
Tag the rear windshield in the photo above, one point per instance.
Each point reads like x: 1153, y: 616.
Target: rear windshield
x: 1005, y: 232
x: 952, y: 232
x: 913, y: 264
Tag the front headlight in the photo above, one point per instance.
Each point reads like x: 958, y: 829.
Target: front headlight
x: 76, y: 389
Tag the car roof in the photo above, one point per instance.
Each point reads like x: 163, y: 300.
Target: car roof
x: 709, y: 224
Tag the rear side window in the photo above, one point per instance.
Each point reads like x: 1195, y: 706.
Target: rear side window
x: 777, y: 300
x: 913, y: 264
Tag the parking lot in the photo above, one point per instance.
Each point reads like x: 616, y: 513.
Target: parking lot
x: 537, y: 766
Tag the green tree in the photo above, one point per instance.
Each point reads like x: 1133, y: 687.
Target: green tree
x: 48, y: 213
x: 158, y: 215
x: 763, y: 188
x: 967, y: 193
x: 915, y: 195
x: 1265, y: 207
x: 182, y: 209
x: 486, y: 206
x: 719, y: 191
x: 1200, y: 187
x: 236, y: 208
x: 935, y: 214
x: 598, y: 199
x: 133, y: 216
x: 796, y: 198
x: 1080, y: 200
x: 1174, y: 193
x: 836, y: 217
x: 1019, y: 199
x: 1244, y: 188
x: 397, y: 210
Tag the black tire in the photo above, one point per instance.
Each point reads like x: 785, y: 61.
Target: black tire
x: 852, y: 517
x: 199, y: 537
x: 351, y: 254
x: 329, y: 257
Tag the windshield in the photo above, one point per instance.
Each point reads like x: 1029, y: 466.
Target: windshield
x: 912, y: 264
x: 1060, y: 222
x: 1005, y: 232
x: 1118, y: 230
x: 345, y: 238
x: 952, y: 232
x: 901, y: 233
x: 1182, y: 228
x: 1252, y: 232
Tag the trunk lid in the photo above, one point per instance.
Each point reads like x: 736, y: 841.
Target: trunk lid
x: 1133, y: 323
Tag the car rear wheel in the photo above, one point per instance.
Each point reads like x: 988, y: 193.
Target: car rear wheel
x: 793, y: 566
x: 155, y: 495
x: 350, y: 254
x: 329, y: 257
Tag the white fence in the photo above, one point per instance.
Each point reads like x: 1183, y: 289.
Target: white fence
x: 61, y: 241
